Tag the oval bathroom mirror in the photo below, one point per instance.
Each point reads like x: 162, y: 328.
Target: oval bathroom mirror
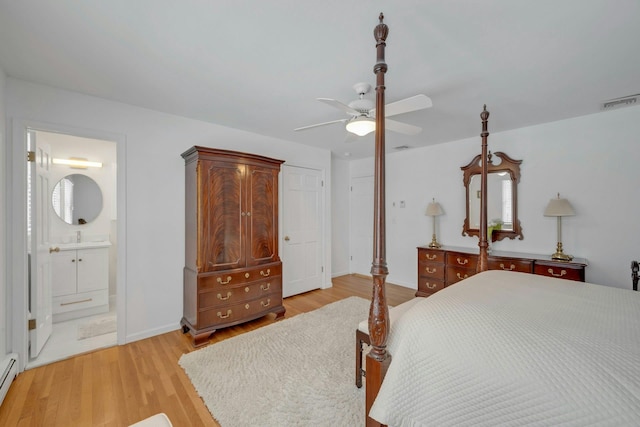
x: 77, y: 199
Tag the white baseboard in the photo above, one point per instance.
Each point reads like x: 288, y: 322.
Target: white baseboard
x: 152, y: 332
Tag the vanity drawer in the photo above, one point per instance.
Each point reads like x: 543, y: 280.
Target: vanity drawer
x: 236, y: 313
x: 430, y: 255
x: 560, y: 271
x: 511, y: 264
x: 225, y: 295
x: 216, y: 281
x: 79, y: 301
x: 456, y: 274
x: 459, y: 259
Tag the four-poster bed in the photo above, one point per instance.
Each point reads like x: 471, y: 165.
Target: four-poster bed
x: 500, y: 347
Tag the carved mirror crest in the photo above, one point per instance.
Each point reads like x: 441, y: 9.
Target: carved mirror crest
x: 502, y: 197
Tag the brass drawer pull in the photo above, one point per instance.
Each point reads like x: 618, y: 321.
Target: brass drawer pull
x: 220, y: 297
x: 226, y: 282
x: 265, y: 288
x: 246, y: 275
x: 76, y: 302
x: 267, y: 304
x: 431, y: 257
x: 262, y: 273
x: 54, y: 249
x: 246, y: 306
x: 224, y: 316
x: 461, y: 278
x: 512, y: 267
x: 246, y: 289
x: 430, y: 271
x: 430, y: 285
x: 462, y: 261
x: 562, y: 273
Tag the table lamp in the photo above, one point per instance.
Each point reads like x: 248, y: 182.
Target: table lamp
x: 433, y: 210
x: 559, y: 208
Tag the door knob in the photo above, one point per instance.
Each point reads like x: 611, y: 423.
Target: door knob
x: 286, y: 238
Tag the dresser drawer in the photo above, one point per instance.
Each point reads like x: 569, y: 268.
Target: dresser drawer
x: 225, y: 295
x: 511, y: 264
x: 430, y: 255
x: 427, y: 286
x: 456, y: 274
x: 463, y: 260
x: 560, y: 271
x: 217, y: 281
x: 432, y: 270
x: 235, y: 313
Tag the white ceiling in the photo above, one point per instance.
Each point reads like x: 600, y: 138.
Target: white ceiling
x: 258, y: 65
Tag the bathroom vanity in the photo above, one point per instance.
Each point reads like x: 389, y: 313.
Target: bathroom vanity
x: 80, y: 279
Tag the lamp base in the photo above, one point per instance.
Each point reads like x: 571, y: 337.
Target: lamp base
x: 434, y: 243
x: 560, y: 255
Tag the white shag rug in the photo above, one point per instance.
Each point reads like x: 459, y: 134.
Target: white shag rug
x: 295, y: 372
x: 98, y: 326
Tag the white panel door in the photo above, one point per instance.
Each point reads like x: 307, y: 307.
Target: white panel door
x: 361, y: 225
x: 302, y: 230
x: 41, y: 301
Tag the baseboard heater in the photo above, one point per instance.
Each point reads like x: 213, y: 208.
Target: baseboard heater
x: 9, y: 370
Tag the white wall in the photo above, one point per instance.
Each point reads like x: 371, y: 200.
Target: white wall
x: 4, y: 335
x: 591, y: 160
x: 154, y: 187
x: 340, y: 217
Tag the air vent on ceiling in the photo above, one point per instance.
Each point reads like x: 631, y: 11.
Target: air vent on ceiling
x: 626, y: 101
x: 401, y: 147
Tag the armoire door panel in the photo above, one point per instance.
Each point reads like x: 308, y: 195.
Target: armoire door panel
x: 263, y: 218
x: 224, y: 217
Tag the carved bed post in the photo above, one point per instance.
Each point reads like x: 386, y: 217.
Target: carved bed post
x: 378, y: 359
x: 483, y: 244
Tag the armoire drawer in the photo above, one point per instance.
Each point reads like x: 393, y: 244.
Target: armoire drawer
x: 235, y: 313
x: 215, y: 281
x: 225, y: 295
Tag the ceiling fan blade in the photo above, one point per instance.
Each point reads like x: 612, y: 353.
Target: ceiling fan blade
x: 399, y: 127
x: 413, y: 103
x: 339, y: 105
x: 321, y: 124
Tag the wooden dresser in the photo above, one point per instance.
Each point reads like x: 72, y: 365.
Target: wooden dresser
x: 232, y: 272
x: 438, y: 268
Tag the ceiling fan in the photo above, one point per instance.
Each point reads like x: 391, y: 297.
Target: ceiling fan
x: 362, y: 112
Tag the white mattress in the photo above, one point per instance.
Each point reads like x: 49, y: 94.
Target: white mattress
x: 505, y: 348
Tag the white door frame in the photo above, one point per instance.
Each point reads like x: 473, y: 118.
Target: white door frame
x: 16, y: 245
x: 326, y: 261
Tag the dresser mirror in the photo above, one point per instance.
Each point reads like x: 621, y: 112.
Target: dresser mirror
x: 77, y: 199
x: 503, y: 176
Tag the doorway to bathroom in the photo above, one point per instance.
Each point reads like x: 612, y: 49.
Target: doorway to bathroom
x: 72, y: 237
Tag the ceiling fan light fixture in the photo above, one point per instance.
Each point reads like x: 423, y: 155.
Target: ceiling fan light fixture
x: 361, y: 126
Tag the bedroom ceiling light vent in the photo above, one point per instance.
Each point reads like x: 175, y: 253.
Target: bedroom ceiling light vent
x: 401, y: 147
x: 625, y: 101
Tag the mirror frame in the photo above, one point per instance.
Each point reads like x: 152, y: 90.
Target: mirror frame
x: 509, y: 165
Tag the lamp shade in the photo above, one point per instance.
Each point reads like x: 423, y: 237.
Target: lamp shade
x: 361, y: 126
x: 434, y: 209
x: 559, y: 207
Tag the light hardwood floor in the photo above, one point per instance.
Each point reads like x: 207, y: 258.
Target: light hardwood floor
x: 121, y: 385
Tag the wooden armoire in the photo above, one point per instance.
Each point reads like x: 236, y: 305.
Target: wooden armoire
x: 232, y: 271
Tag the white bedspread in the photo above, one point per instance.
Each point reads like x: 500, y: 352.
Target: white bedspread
x: 504, y: 348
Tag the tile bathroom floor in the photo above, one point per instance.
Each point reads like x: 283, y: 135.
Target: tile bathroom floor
x: 64, y: 343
